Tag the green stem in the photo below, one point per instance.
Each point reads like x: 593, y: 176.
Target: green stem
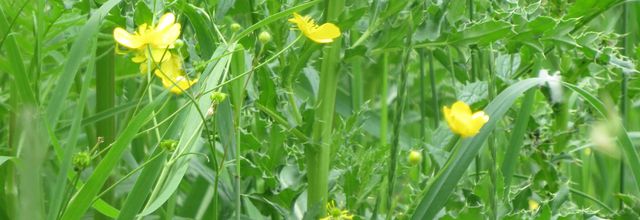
x: 395, y: 140
x: 317, y: 154
x: 384, y: 93
x: 356, y: 80
x: 105, y: 100
x: 434, y: 90
x: 492, y: 143
x: 423, y: 102
x: 624, y: 99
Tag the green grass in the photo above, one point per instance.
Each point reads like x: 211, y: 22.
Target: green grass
x: 305, y: 124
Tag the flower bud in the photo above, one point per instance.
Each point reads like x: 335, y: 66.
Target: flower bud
x: 169, y: 145
x: 415, y: 157
x: 81, y: 160
x: 179, y: 43
x: 264, y: 37
x: 218, y: 97
x: 235, y: 27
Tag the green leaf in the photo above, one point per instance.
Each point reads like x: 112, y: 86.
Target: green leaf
x: 482, y: 33
x: 473, y: 92
x: 5, y: 159
x: 74, y: 60
x: 198, y: 19
x: 192, y: 127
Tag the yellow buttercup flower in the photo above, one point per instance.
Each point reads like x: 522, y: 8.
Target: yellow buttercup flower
x: 462, y: 122
x: 150, y: 41
x: 335, y: 213
x: 323, y: 34
x: 173, y: 76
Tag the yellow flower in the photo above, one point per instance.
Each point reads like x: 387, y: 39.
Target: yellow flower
x: 173, y: 76
x: 335, y: 213
x: 323, y: 34
x: 462, y: 122
x: 150, y: 41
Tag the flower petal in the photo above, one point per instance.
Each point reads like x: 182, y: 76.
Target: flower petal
x: 325, y: 33
x: 460, y: 108
x: 168, y: 37
x: 166, y: 21
x: 126, y: 39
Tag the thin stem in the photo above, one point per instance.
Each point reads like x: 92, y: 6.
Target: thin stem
x: 434, y: 90
x: 384, y: 109
x: 125, y: 177
x: 423, y: 102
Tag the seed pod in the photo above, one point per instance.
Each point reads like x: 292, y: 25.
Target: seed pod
x: 81, y: 160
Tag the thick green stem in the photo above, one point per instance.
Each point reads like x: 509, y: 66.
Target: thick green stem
x: 105, y: 100
x: 317, y: 153
x: 237, y: 95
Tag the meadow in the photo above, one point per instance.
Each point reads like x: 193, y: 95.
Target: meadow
x: 321, y: 109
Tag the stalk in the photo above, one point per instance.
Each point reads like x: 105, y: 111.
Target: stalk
x: 423, y: 102
x: 624, y: 99
x: 434, y: 90
x: 356, y: 80
x: 395, y: 140
x: 492, y: 142
x: 317, y: 153
x: 384, y: 123
x: 105, y: 100
x: 384, y: 109
x: 237, y: 95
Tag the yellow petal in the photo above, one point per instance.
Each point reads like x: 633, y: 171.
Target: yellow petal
x: 178, y: 84
x: 166, y: 38
x: 460, y: 108
x: 325, y: 33
x: 158, y: 54
x: 297, y: 19
x: 478, y: 120
x: 449, y: 118
x: 126, y: 39
x: 165, y: 21
x: 139, y: 58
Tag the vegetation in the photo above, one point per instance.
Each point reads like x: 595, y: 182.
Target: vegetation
x: 334, y: 109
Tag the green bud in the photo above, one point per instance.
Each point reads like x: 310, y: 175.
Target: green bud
x: 218, y: 97
x: 179, y: 43
x: 264, y: 37
x: 169, y: 145
x: 415, y: 157
x: 235, y: 27
x: 81, y: 160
